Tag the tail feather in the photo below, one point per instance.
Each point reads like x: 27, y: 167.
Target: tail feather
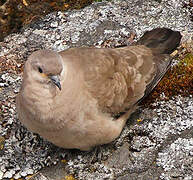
x: 161, y: 40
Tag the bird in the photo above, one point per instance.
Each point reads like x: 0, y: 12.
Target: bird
x: 82, y: 97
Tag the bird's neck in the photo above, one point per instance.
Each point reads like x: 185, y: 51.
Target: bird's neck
x: 46, y: 104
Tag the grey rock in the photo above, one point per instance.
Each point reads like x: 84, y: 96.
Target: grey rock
x: 176, y: 159
x: 1, y: 174
x: 142, y: 150
x: 57, y: 173
x: 126, y: 160
x: 140, y: 142
x: 121, y: 158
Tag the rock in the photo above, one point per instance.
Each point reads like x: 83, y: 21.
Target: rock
x: 129, y: 161
x: 1, y: 174
x: 141, y: 150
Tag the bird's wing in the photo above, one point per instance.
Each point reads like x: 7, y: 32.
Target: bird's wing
x: 116, y: 78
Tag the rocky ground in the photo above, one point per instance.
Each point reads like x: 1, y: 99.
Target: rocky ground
x: 156, y: 143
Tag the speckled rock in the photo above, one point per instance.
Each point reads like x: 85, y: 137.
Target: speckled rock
x: 142, y: 150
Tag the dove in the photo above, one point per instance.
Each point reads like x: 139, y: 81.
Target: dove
x: 82, y: 97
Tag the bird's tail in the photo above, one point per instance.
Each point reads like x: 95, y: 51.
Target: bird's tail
x: 161, y: 40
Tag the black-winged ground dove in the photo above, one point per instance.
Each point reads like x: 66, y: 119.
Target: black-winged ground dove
x: 71, y: 98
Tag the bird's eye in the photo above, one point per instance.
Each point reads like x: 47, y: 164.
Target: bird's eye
x: 40, y: 70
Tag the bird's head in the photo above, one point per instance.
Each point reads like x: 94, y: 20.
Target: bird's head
x: 45, y: 67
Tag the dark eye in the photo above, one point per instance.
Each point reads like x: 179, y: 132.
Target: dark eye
x: 40, y: 70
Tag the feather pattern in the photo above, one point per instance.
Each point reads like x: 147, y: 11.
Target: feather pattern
x: 72, y: 98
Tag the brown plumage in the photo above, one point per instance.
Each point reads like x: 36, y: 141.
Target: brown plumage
x: 71, y: 98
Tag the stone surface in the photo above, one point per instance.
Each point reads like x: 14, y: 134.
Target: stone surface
x: 56, y: 173
x: 158, y: 147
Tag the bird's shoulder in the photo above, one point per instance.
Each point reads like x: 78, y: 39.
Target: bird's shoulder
x: 115, y: 77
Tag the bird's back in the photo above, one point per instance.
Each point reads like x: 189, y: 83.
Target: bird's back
x: 118, y: 78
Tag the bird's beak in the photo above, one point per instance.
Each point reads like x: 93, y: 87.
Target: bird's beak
x: 56, y: 81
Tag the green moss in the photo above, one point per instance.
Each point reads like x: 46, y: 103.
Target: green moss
x: 177, y: 81
x: 187, y: 61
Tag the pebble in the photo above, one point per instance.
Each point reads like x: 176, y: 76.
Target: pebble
x: 17, y: 176
x: 8, y: 174
x: 54, y: 24
x: 1, y: 174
